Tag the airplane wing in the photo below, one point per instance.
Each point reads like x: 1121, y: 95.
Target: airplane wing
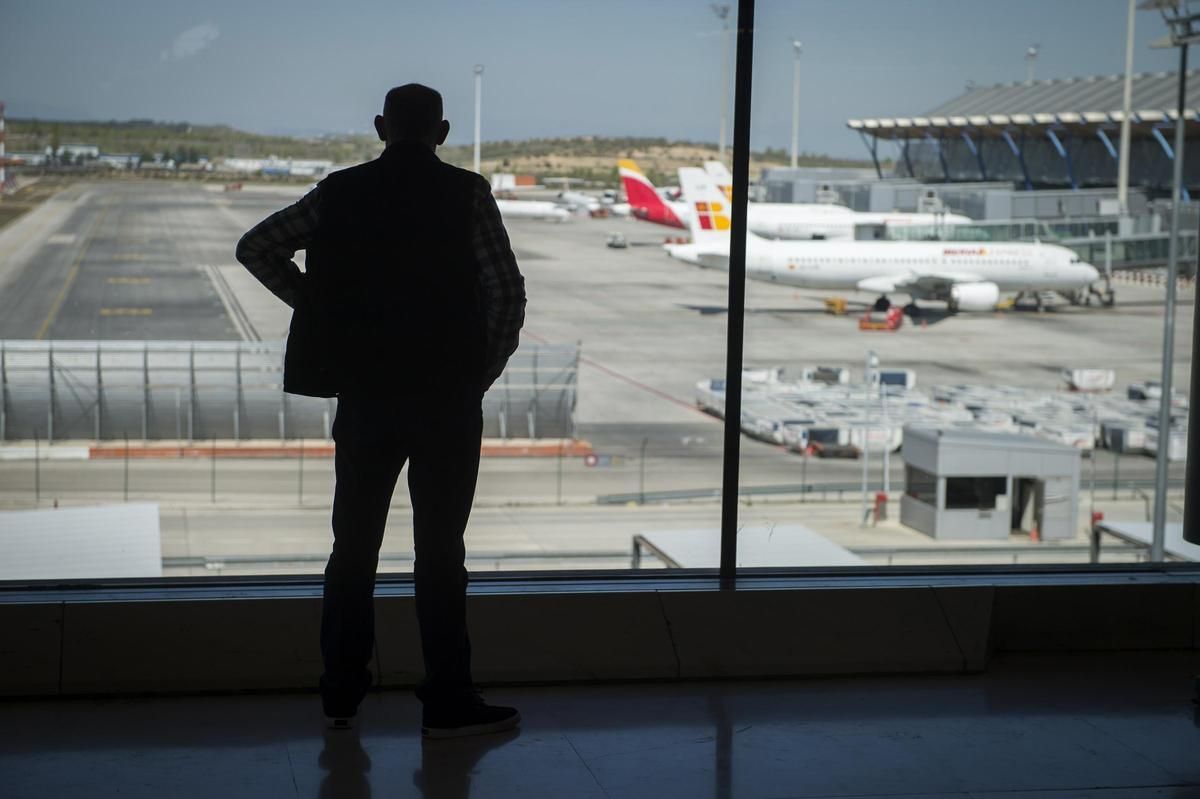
x: 923, y: 282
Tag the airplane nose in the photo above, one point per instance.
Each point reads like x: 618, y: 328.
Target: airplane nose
x: 1090, y: 272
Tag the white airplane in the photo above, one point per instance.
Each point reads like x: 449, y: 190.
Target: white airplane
x: 532, y: 209
x: 578, y: 201
x: 772, y: 220
x: 968, y: 276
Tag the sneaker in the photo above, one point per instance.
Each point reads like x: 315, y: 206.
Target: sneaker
x: 471, y: 717
x: 340, y: 722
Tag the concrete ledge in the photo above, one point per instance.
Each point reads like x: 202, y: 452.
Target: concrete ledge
x: 149, y: 639
x: 30, y: 649
x: 1095, y: 617
x: 823, y: 631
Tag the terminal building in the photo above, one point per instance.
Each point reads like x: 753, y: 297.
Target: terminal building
x: 1061, y: 133
x: 1028, y: 161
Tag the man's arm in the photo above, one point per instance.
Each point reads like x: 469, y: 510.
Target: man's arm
x: 268, y: 248
x: 503, y: 287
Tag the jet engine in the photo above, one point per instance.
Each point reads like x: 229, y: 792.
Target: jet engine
x: 974, y: 296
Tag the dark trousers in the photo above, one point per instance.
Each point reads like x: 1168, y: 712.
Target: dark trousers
x: 374, y: 438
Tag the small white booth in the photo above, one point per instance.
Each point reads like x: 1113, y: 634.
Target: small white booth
x: 969, y: 484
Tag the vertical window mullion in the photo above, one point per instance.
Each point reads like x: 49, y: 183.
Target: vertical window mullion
x: 735, y: 334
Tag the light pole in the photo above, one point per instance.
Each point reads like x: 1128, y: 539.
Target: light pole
x: 1126, y: 109
x: 795, y: 103
x: 3, y: 175
x: 1031, y: 55
x: 887, y: 438
x: 478, y: 107
x: 1184, y: 29
x: 722, y: 12
x: 869, y: 370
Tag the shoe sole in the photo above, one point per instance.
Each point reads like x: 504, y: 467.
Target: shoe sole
x: 472, y: 729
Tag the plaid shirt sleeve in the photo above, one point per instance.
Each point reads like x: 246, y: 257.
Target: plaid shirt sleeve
x: 267, y: 248
x: 501, y: 283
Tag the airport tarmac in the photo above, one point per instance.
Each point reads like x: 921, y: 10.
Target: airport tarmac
x: 154, y: 260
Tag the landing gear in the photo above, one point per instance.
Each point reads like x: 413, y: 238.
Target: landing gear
x: 882, y: 304
x: 1105, y: 296
x: 1041, y: 300
x: 912, y: 310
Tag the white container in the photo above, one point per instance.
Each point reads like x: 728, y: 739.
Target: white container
x: 1090, y: 379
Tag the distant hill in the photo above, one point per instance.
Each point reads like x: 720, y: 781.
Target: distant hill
x: 583, y: 157
x: 595, y: 157
x: 184, y: 142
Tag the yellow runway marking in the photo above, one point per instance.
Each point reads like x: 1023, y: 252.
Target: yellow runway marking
x: 128, y: 281
x: 126, y: 311
x: 72, y: 273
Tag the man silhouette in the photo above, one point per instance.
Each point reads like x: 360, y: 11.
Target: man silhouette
x: 410, y: 304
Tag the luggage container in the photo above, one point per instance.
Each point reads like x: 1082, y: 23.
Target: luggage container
x: 1176, y: 444
x: 1090, y: 379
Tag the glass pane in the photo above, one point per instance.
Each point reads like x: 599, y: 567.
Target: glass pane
x: 142, y: 365
x: 954, y: 324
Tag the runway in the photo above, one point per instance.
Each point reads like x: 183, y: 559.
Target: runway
x: 123, y: 260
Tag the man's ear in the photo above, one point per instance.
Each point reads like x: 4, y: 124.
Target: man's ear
x: 443, y: 131
x: 380, y: 128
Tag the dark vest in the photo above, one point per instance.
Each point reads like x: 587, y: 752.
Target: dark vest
x: 390, y: 301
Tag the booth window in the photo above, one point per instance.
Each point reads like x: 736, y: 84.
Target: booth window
x: 978, y: 493
x: 920, y: 485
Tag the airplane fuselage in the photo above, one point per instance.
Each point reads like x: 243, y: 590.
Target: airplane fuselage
x: 804, y: 220
x: 1015, y: 266
x: 532, y: 209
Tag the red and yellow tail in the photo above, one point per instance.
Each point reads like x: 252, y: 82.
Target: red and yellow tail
x: 710, y: 208
x: 644, y: 200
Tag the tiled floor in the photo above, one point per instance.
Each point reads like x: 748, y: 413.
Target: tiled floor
x: 1033, y: 726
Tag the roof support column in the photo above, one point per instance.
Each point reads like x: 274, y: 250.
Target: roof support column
x: 937, y: 145
x: 1066, y: 157
x: 907, y: 160
x: 1012, y: 145
x: 976, y: 151
x: 873, y: 149
x: 1108, y: 145
x: 1156, y: 131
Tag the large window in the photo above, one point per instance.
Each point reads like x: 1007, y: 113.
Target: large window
x: 923, y: 253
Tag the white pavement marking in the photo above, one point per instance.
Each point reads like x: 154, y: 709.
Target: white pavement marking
x: 257, y: 314
x: 20, y: 240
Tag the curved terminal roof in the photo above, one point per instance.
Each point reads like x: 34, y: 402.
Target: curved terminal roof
x: 1071, y: 101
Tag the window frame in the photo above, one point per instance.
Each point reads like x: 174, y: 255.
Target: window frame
x: 727, y: 574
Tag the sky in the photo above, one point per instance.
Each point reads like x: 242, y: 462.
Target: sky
x: 552, y: 67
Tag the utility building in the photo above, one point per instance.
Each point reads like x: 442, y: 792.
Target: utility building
x: 1044, y: 134
x: 965, y: 484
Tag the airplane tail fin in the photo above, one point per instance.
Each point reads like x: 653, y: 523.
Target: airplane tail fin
x: 723, y: 177
x: 639, y: 191
x: 644, y: 200
x: 709, y: 220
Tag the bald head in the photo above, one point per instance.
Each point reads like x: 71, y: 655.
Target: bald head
x: 412, y: 113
